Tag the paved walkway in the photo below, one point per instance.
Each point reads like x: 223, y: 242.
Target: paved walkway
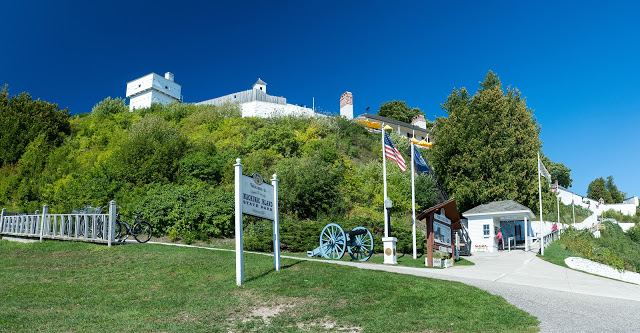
x: 521, y: 268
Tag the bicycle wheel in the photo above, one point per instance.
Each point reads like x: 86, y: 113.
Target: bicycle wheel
x: 142, y: 232
x: 121, y: 230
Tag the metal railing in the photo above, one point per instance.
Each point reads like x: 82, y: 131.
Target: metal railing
x: 551, y: 237
x: 89, y: 227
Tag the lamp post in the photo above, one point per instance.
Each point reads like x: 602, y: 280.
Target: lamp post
x: 388, y: 241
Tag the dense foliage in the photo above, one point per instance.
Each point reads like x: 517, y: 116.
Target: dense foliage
x: 399, y: 110
x: 175, y: 164
x: 605, y: 189
x: 614, y: 247
x: 23, y: 121
x: 559, y: 172
x: 486, y: 149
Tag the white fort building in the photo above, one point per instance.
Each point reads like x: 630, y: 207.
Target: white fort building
x: 255, y: 102
x: 152, y: 88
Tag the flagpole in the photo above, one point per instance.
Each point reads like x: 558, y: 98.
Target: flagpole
x: 384, y: 176
x: 413, y: 202
x: 540, y: 200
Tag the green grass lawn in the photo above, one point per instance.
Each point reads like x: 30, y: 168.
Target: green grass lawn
x: 79, y: 287
x: 555, y: 254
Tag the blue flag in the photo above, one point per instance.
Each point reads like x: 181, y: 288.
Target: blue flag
x: 421, y: 164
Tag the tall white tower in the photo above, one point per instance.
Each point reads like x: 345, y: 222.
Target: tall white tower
x: 346, y: 105
x: 153, y: 88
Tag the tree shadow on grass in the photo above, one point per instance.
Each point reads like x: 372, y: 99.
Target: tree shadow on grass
x: 272, y: 270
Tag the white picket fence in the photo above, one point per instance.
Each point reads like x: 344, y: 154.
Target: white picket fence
x: 96, y: 228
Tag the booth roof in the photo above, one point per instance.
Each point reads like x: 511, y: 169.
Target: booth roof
x: 499, y: 207
x: 450, y: 211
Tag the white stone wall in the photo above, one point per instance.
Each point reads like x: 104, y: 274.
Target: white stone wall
x: 140, y: 101
x: 624, y: 208
x: 265, y: 109
x: 145, y: 99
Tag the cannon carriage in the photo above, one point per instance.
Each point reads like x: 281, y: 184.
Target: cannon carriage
x: 334, y: 241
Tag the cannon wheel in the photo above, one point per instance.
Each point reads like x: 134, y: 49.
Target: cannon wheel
x: 364, y: 246
x: 332, y: 241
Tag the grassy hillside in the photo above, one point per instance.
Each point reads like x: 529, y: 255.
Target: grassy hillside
x: 175, y: 163
x: 68, y: 286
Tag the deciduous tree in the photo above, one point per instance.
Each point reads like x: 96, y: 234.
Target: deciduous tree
x: 398, y: 110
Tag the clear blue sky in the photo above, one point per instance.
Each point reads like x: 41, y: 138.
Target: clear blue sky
x: 577, y: 64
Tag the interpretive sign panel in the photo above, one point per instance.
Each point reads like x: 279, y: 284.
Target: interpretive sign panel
x: 257, y: 197
x: 441, y: 233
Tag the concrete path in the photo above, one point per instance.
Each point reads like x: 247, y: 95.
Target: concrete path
x: 562, y: 299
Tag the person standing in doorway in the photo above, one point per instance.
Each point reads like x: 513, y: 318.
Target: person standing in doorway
x: 500, y: 240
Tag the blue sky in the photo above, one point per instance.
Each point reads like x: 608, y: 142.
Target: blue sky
x: 576, y: 63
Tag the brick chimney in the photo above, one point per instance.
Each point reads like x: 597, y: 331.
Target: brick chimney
x: 346, y: 105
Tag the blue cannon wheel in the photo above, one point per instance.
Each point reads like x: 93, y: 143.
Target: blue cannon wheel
x: 332, y: 241
x: 363, y: 247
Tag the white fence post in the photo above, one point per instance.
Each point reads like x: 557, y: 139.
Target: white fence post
x: 276, y: 224
x: 2, y: 220
x: 112, y: 221
x: 45, y: 211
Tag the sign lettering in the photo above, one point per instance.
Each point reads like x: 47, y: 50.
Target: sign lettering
x: 257, y: 199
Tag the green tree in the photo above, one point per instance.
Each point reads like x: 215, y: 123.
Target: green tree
x: 558, y: 172
x: 486, y: 148
x: 23, y: 119
x: 605, y: 189
x: 398, y: 110
x: 597, y: 189
x: 616, y: 195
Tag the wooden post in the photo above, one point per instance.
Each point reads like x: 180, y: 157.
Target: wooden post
x: 430, y: 240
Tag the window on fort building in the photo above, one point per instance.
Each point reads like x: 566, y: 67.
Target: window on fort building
x: 485, y: 230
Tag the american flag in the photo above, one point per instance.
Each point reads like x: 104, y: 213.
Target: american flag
x: 392, y: 152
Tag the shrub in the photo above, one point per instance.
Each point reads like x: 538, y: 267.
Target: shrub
x: 108, y: 107
x: 150, y: 153
x: 189, y: 211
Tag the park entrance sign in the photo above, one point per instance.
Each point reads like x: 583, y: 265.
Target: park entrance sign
x: 257, y: 198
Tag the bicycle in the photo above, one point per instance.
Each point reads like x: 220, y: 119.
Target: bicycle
x: 141, y: 230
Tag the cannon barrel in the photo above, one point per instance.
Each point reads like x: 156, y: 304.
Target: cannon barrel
x: 357, y: 232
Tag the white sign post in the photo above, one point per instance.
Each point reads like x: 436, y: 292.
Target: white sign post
x: 276, y: 225
x: 255, y: 197
x: 239, y: 248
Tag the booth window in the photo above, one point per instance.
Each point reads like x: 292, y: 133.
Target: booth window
x: 485, y: 230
